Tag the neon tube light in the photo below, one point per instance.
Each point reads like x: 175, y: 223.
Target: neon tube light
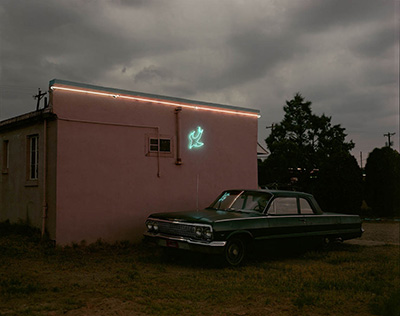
x: 183, y: 105
x: 195, y: 137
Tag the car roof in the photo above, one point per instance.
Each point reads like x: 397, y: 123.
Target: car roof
x: 287, y: 193
x: 280, y: 193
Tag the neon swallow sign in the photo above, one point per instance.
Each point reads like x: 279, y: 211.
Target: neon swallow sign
x: 195, y: 137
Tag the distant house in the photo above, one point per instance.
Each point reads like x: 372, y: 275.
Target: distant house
x: 96, y: 161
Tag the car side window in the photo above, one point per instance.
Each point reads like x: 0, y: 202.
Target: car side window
x: 252, y: 201
x: 283, y: 206
x: 305, y: 207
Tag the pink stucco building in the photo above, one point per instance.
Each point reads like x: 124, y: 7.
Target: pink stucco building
x: 96, y: 161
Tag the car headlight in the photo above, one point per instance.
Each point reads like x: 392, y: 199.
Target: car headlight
x: 155, y: 226
x: 150, y: 225
x: 203, y: 232
x: 207, y: 233
x: 199, y: 231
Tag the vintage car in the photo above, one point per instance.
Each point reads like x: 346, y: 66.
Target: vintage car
x: 240, y: 219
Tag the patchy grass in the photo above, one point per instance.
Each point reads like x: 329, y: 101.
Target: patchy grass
x: 101, y: 279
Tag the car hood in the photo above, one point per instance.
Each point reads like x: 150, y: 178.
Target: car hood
x: 203, y: 216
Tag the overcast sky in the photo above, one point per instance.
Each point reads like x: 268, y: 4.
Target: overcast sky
x: 342, y: 55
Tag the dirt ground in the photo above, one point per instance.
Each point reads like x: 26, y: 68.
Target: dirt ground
x: 379, y: 233
x: 376, y: 234
x: 123, y: 299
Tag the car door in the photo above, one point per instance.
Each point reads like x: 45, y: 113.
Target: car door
x: 317, y: 224
x: 284, y: 219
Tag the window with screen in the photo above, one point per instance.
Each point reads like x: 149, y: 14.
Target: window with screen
x: 163, y: 143
x: 33, y: 157
x: 159, y: 146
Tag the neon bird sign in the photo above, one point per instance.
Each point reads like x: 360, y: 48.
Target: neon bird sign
x: 195, y: 137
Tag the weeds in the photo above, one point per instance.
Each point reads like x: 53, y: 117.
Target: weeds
x: 347, y: 280
x: 18, y: 285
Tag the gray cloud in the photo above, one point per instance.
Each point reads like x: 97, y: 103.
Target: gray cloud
x: 341, y: 55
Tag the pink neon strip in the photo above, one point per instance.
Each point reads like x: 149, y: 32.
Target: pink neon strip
x: 156, y: 101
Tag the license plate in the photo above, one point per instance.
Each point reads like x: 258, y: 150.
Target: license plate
x: 172, y: 244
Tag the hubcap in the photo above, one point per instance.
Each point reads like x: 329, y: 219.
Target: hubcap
x: 234, y: 253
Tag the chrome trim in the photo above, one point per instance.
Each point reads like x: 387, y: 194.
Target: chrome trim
x: 179, y: 222
x: 187, y: 240
x: 269, y: 216
x: 240, y: 219
x: 311, y: 234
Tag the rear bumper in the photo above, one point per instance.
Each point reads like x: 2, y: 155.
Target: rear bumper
x: 212, y: 247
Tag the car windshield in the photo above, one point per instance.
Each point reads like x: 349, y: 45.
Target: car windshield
x: 248, y: 201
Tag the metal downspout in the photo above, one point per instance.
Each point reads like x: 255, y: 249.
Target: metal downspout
x: 158, y: 153
x: 44, y: 203
x: 178, y: 161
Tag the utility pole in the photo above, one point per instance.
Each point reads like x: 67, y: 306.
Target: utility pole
x: 271, y: 127
x: 39, y: 97
x: 388, y: 135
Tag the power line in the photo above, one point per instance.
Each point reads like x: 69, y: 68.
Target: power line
x: 39, y: 97
x: 388, y: 135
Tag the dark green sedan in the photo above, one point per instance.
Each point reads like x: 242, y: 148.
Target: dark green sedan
x: 241, y: 219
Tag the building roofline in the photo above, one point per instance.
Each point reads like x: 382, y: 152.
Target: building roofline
x: 155, y: 97
x: 27, y: 118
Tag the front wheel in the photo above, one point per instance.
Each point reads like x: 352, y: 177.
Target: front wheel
x: 235, y: 251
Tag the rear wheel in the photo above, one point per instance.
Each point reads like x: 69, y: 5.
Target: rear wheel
x: 235, y: 251
x: 328, y: 242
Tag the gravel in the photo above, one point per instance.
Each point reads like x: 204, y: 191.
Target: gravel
x: 379, y: 233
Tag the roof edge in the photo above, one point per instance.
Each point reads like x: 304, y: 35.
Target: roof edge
x: 30, y: 117
x: 148, y: 95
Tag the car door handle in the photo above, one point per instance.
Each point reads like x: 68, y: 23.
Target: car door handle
x: 303, y: 220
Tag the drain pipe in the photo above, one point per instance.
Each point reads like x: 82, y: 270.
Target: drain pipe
x: 178, y: 161
x: 44, y: 204
x: 158, y: 153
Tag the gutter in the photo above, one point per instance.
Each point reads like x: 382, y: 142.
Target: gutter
x: 44, y: 205
x: 178, y: 161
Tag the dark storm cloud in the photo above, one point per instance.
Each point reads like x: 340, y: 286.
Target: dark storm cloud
x: 253, y: 53
x: 378, y: 43
x: 341, y: 55
x: 318, y: 16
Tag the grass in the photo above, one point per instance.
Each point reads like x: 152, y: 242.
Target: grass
x: 37, y: 278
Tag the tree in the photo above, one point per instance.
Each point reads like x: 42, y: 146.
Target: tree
x: 305, y: 138
x: 339, y: 187
x: 383, y: 182
x: 304, y: 145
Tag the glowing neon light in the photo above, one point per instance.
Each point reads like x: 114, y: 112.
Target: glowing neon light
x: 194, y: 139
x: 183, y: 105
x: 223, y: 198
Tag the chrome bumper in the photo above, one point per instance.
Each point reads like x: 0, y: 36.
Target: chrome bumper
x: 186, y: 243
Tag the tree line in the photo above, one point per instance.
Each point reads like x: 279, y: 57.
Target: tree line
x: 308, y: 153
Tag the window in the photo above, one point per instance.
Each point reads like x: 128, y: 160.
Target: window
x: 159, y: 146
x: 305, y: 207
x: 33, y: 161
x: 283, y: 206
x: 165, y: 145
x: 6, y: 156
x: 254, y: 201
x: 242, y: 200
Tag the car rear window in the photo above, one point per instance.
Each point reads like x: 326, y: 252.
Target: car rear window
x: 305, y: 207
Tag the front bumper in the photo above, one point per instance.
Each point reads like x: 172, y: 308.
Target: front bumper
x: 212, y: 247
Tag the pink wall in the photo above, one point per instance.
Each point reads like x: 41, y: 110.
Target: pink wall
x: 107, y: 186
